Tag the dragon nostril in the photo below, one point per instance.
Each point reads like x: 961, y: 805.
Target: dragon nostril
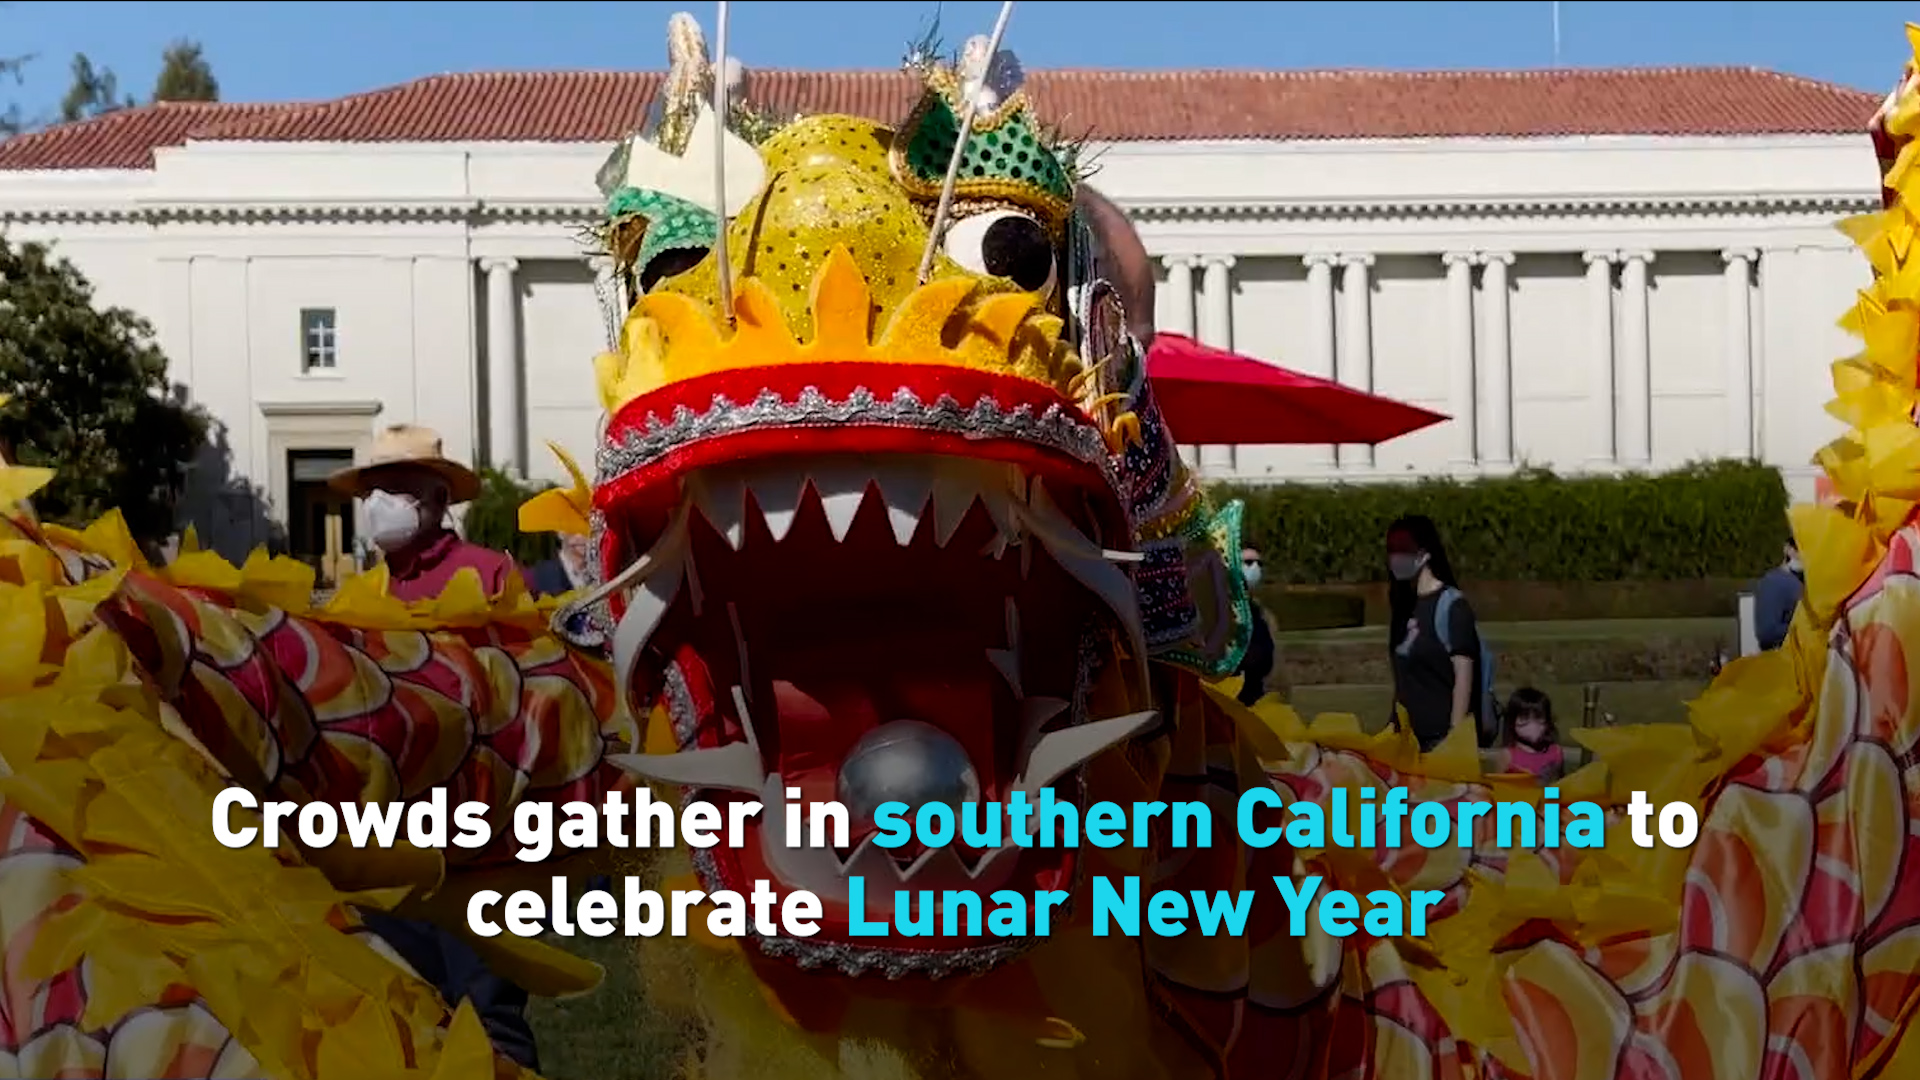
x: 1016, y: 248
x: 669, y: 263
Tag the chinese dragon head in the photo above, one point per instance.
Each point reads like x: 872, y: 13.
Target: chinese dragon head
x: 886, y: 534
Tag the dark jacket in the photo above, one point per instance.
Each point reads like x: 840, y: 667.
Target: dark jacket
x: 1257, y: 664
x: 1775, y: 599
x: 550, y: 578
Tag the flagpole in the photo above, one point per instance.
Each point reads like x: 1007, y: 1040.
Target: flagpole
x: 1556, y: 33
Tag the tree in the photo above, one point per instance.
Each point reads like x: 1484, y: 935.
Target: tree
x: 12, y: 68
x: 94, y: 92
x: 185, y: 75
x: 90, y: 398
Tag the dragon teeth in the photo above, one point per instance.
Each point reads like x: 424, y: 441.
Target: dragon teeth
x: 909, y: 490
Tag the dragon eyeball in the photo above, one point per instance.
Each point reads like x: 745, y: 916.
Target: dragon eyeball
x: 1005, y: 244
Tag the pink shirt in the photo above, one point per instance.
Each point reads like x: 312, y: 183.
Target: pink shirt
x: 1548, y: 763
x: 424, y: 574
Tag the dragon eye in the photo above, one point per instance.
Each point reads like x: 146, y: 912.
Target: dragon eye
x: 1005, y: 244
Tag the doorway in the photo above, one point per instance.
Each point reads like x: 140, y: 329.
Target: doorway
x: 320, y: 519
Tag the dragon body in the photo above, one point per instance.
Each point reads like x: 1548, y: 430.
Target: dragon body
x: 868, y: 537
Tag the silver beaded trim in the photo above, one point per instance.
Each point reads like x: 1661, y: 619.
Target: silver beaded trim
x: 1054, y: 427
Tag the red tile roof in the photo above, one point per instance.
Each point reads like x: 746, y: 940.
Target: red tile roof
x: 1105, y: 105
x: 125, y: 139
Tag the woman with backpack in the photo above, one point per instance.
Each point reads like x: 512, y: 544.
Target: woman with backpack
x: 1440, y: 670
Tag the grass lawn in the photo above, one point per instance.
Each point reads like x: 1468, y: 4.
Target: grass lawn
x: 608, y: 1034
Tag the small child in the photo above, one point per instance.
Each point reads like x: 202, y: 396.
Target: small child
x: 1531, y: 741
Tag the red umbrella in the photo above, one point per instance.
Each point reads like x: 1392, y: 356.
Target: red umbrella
x: 1212, y: 397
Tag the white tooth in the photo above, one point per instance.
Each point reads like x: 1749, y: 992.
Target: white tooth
x: 854, y: 855
x: 734, y: 767
x: 954, y: 492
x: 1007, y: 663
x: 777, y: 494
x: 1035, y: 713
x: 722, y: 499
x: 938, y: 868
x: 1086, y: 564
x: 879, y: 876
x: 740, y: 653
x: 695, y: 594
x: 995, y: 868
x: 1058, y: 751
x: 923, y: 860
x: 841, y: 492
x: 648, y: 604
x: 906, y: 490
x: 1007, y: 660
x: 815, y: 870
x: 1001, y: 508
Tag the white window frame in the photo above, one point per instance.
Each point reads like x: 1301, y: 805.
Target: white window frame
x: 319, y: 340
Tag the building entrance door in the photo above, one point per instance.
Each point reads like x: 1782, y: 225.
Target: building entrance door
x: 319, y: 519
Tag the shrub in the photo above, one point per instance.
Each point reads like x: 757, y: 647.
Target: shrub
x: 493, y: 519
x: 1718, y: 519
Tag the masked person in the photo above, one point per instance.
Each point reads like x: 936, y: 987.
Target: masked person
x: 1257, y: 666
x: 1434, y: 638
x: 1775, y: 599
x: 406, y: 489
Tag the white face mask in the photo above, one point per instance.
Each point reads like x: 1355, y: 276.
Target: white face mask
x: 1251, y: 571
x: 1405, y: 567
x: 394, y: 520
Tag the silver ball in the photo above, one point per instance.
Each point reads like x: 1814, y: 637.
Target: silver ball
x: 906, y: 761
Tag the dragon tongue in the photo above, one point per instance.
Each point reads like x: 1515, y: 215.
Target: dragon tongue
x: 814, y: 736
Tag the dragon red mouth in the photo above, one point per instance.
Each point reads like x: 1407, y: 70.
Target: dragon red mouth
x: 903, y: 628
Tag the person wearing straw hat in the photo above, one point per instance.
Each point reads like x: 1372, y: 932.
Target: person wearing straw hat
x: 406, y: 487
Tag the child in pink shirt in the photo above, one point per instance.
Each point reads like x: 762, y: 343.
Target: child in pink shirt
x: 1528, y: 737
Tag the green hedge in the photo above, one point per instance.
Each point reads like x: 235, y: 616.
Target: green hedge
x: 493, y: 519
x: 1719, y: 519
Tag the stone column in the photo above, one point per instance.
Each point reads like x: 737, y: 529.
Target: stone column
x: 503, y: 366
x: 1355, y: 354
x: 1460, y: 354
x: 1179, y: 318
x: 1321, y: 332
x: 1217, y: 330
x: 1601, y: 398
x: 1739, y: 274
x: 1217, y: 327
x: 1636, y: 373
x: 1496, y: 366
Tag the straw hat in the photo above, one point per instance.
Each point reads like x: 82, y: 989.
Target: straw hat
x: 411, y: 445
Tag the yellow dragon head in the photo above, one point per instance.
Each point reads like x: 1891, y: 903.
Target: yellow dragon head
x: 872, y: 534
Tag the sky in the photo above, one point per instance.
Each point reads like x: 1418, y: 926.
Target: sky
x: 288, y: 51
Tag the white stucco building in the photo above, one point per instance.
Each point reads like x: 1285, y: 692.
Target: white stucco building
x: 1587, y: 270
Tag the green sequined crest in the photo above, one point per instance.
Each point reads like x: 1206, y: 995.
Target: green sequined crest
x: 672, y: 223
x: 1006, y: 158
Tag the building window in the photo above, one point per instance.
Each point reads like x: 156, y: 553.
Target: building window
x: 318, y: 343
